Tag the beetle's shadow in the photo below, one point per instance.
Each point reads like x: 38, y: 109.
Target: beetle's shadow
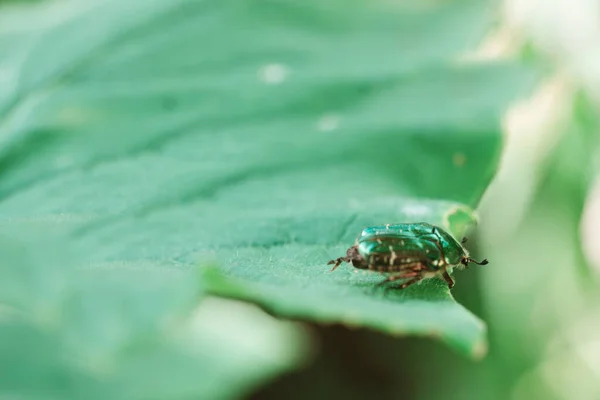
x: 428, y: 290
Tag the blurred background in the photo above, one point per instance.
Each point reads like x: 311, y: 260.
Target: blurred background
x: 538, y: 220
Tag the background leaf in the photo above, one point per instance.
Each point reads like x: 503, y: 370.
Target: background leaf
x: 261, y: 136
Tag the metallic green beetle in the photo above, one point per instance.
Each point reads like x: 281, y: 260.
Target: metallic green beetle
x: 409, y: 252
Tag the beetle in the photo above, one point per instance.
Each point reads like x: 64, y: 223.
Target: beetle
x: 409, y: 252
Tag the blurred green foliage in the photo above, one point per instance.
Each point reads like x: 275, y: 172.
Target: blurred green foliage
x: 543, y: 300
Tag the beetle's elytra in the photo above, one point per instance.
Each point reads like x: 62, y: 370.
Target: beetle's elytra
x: 408, y: 252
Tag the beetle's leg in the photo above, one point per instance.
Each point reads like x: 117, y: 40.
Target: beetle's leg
x: 448, y: 279
x: 402, y: 275
x: 337, y: 262
x: 412, y: 275
x: 405, y: 284
x: 352, y: 255
x: 410, y: 282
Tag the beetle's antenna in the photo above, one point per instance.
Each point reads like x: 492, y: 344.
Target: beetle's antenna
x: 464, y: 240
x: 484, y: 262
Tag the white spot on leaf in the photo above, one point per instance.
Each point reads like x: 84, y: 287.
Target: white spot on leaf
x: 64, y: 161
x: 328, y: 123
x: 273, y: 74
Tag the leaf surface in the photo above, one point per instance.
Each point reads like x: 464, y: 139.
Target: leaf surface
x: 259, y: 136
x: 68, y: 332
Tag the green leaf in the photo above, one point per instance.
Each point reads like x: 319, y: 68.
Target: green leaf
x: 107, y: 334
x: 291, y: 279
x: 260, y: 136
